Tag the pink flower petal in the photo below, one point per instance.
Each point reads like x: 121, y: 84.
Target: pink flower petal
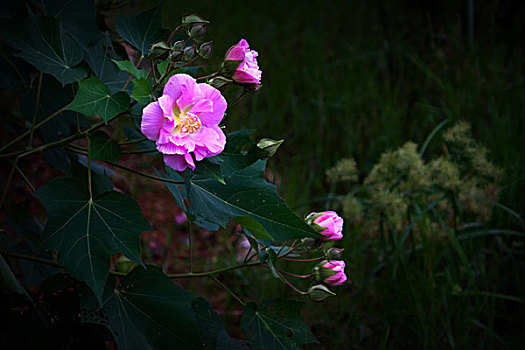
x: 250, y: 75
x: 189, y: 160
x: 212, y: 140
x: 205, y: 105
x: 152, y: 118
x: 167, y: 103
x: 177, y: 162
x: 179, y: 84
x: 215, y: 115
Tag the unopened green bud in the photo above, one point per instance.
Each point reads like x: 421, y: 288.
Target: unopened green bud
x: 179, y: 45
x: 189, y: 52
x: 205, y: 50
x: 320, y: 292
x: 191, y: 18
x: 160, y: 50
x: 334, y: 253
x: 269, y: 145
x: 311, y: 243
x: 196, y: 31
x: 218, y: 82
x: 311, y: 217
x: 177, y: 56
x: 125, y: 265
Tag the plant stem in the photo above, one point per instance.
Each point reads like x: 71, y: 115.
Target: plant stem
x: 191, y: 250
x: 289, y: 284
x: 133, y: 141
x: 24, y: 134
x: 89, y: 169
x: 138, y: 151
x: 173, y: 34
x: 59, y: 143
x: 9, y: 178
x: 294, y: 275
x: 162, y: 179
x: 228, y: 290
x: 30, y: 143
x: 116, y: 273
x: 303, y: 260
x: 24, y: 177
x: 208, y: 76
x: 32, y: 258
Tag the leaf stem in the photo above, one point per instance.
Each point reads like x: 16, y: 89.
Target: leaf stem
x: 30, y: 143
x: 26, y: 180
x: 228, y: 290
x: 289, y: 284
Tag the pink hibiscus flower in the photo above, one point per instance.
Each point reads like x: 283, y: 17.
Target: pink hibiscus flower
x: 248, y: 70
x: 335, y: 272
x: 184, y: 122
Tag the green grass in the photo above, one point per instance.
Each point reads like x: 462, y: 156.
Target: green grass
x: 354, y: 79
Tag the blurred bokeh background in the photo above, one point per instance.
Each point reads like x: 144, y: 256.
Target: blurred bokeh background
x: 356, y: 79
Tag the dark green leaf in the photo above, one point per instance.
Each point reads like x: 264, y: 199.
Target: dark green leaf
x: 272, y: 259
x: 210, y: 324
x: 212, y: 331
x: 141, y: 30
x: 132, y: 134
x: 99, y: 60
x: 86, y: 233
x: 277, y: 324
x: 103, y: 147
x: 146, y: 310
x: 248, y: 199
x: 43, y: 43
x: 8, y: 280
x: 210, y: 168
x: 128, y: 66
x: 100, y: 181
x: 78, y: 18
x: 142, y: 91
x: 53, y: 96
x: 181, y: 198
x: 93, y: 97
x: 240, y: 152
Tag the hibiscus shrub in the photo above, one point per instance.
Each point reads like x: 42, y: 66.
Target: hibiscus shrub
x: 77, y: 276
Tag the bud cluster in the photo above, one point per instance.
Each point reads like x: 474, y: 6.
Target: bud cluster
x: 186, y: 49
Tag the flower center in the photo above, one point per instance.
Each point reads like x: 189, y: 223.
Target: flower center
x: 186, y: 124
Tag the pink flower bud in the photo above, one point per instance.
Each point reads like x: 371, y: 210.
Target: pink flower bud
x: 181, y: 218
x: 331, y: 272
x: 247, y: 71
x: 329, y: 224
